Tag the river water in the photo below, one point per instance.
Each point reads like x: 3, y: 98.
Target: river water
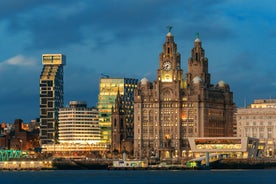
x: 139, y: 177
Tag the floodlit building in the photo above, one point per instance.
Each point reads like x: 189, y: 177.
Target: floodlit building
x: 51, y: 96
x: 258, y: 120
x: 230, y: 147
x: 109, y: 89
x: 170, y: 110
x: 78, y: 124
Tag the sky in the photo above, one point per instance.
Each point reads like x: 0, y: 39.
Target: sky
x: 123, y: 38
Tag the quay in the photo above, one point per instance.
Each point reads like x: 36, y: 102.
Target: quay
x: 26, y: 165
x: 169, y: 167
x: 81, y: 164
x: 218, y: 164
x: 266, y: 163
x: 102, y: 164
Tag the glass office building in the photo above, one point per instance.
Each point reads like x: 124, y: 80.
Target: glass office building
x: 109, y: 89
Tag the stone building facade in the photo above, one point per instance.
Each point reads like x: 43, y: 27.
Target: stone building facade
x: 258, y: 120
x: 171, y: 109
x: 122, y: 127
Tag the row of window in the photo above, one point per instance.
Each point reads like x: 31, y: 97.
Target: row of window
x: 167, y: 123
x: 83, y: 110
x: 78, y: 120
x: 79, y: 128
x: 218, y: 146
x: 185, y: 105
x: 254, y: 123
x: 257, y: 117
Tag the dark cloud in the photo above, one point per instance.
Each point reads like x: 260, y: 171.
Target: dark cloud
x: 121, y: 37
x: 62, y: 23
x: 13, y: 7
x: 19, y: 93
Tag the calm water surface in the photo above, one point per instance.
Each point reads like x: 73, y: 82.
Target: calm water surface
x: 122, y: 177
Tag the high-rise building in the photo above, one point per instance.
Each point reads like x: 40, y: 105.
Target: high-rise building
x: 109, y: 89
x: 171, y: 109
x: 51, y: 96
x: 258, y: 120
x: 78, y: 124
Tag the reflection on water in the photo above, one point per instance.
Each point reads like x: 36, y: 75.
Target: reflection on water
x: 138, y: 176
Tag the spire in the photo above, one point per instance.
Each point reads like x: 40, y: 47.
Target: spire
x: 118, y: 95
x: 117, y: 101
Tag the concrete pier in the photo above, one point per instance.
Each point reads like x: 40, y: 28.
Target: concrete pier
x: 25, y: 165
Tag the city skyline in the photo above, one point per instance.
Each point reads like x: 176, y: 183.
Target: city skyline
x: 120, y: 38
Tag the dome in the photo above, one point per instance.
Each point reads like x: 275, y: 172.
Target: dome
x: 197, y: 40
x: 169, y: 34
x: 144, y: 80
x: 221, y: 83
x: 197, y: 80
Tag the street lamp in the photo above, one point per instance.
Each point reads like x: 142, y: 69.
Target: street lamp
x: 20, y: 143
x: 54, y: 146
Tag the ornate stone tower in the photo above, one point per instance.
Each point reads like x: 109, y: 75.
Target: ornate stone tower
x: 157, y: 107
x: 169, y: 110
x: 198, y: 65
x: 208, y: 109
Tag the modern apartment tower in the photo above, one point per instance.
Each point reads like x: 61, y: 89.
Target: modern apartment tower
x: 170, y: 110
x: 78, y: 124
x: 51, y: 96
x: 109, y: 89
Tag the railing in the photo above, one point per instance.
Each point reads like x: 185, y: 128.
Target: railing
x: 5, y: 155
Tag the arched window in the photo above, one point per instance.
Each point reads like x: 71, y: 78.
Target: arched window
x: 122, y: 122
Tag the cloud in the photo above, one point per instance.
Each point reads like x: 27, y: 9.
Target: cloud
x: 119, y: 37
x: 101, y: 23
x: 19, y: 93
x: 18, y: 60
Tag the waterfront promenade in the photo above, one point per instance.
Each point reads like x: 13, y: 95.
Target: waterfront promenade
x: 26, y: 165
x: 84, y: 164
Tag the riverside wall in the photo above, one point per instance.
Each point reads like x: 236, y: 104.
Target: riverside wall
x: 26, y: 165
x: 266, y: 163
x: 81, y: 164
x: 84, y: 164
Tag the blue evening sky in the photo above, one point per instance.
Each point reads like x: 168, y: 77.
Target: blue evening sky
x: 123, y: 38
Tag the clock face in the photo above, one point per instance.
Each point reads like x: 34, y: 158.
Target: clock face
x: 167, y: 65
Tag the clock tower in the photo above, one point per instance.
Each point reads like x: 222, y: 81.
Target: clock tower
x: 169, y: 61
x: 171, y: 109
